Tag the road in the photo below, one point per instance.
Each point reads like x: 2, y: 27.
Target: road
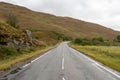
x: 65, y: 63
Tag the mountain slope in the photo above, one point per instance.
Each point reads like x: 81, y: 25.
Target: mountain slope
x: 45, y: 22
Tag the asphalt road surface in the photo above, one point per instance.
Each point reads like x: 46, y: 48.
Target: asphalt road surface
x: 65, y: 63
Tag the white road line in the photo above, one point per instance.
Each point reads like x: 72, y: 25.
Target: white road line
x: 26, y: 65
x: 97, y: 67
x: 63, y: 78
x: 108, y: 70
x: 39, y: 57
x: 63, y: 62
x: 35, y: 60
x: 97, y: 64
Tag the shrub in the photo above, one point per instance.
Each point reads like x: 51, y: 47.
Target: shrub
x: 6, y: 51
x: 61, y: 36
x: 118, y: 38
x: 85, y: 41
x: 78, y: 41
x: 12, y: 19
x: 98, y: 40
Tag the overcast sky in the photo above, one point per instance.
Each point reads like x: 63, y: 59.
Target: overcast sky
x: 104, y: 12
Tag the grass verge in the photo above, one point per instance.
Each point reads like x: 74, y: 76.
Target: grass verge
x: 108, y: 55
x: 8, y: 63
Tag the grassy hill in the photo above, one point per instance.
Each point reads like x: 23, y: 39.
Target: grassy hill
x: 46, y: 24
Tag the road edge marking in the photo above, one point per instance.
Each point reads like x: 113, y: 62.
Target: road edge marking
x: 26, y: 65
x: 63, y: 78
x: 97, y: 64
x: 35, y: 59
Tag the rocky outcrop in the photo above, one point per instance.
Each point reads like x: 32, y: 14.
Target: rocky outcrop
x: 14, y: 37
x: 6, y: 33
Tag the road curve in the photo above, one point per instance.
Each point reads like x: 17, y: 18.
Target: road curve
x: 65, y: 63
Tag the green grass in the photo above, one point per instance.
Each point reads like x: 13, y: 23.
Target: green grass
x: 8, y: 63
x: 108, y: 55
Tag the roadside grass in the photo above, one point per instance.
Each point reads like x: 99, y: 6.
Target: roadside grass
x: 108, y: 55
x: 8, y: 63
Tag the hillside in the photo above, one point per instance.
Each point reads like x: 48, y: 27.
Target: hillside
x: 45, y: 23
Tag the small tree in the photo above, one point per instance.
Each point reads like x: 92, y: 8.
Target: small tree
x: 118, y: 38
x: 78, y: 41
x: 98, y: 40
x: 12, y: 19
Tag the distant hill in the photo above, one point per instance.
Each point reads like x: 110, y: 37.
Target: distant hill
x: 46, y: 24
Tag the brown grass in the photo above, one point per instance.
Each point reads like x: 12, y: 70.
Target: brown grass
x: 109, y: 56
x: 68, y: 26
x: 6, y: 64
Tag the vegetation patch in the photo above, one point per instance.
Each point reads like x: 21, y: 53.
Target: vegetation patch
x: 98, y: 41
x: 108, y: 55
x: 17, y: 45
x: 25, y: 55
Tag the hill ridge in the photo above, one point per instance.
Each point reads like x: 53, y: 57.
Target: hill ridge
x: 70, y: 27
